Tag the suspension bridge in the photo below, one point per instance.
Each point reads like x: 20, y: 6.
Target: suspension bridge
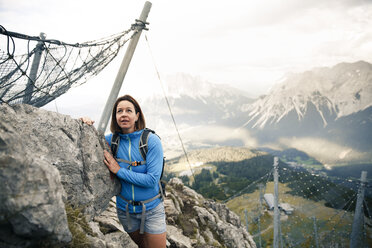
x: 35, y: 71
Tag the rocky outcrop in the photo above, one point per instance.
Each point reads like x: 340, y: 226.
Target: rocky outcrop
x: 107, y: 230
x: 197, y: 222
x: 55, y: 191
x: 48, y: 161
x: 192, y: 221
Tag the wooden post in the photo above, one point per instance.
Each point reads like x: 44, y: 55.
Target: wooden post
x: 33, y: 71
x: 356, y: 233
x: 246, y: 219
x: 276, y: 205
x: 259, y: 216
x: 315, y: 233
x: 102, y: 125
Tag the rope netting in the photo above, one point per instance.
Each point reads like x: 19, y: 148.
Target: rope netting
x: 315, y: 210
x: 35, y: 70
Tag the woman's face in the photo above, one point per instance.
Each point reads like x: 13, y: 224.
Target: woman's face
x: 126, y: 116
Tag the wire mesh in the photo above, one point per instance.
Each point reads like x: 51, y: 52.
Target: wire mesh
x: 310, y: 203
x: 35, y: 71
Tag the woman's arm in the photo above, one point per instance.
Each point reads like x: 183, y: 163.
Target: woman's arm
x: 110, y: 162
x: 154, y: 162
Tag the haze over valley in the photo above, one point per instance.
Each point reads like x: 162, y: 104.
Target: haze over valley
x: 324, y: 112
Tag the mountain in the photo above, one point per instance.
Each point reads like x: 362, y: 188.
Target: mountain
x: 329, y: 107
x: 328, y: 93
x: 195, y: 101
x: 324, y: 112
x: 206, y: 114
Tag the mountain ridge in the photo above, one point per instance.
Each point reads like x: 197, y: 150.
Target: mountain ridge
x: 341, y: 90
x: 325, y: 106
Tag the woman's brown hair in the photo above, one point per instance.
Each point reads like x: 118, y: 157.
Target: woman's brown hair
x: 140, y: 123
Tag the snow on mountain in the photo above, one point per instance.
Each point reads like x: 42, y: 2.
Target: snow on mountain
x: 325, y: 112
x: 335, y: 92
x: 197, y: 100
x: 206, y: 114
x: 182, y: 84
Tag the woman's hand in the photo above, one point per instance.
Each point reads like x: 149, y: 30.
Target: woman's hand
x: 110, y: 162
x: 87, y: 120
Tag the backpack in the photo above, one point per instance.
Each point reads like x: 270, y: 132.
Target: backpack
x: 143, y: 147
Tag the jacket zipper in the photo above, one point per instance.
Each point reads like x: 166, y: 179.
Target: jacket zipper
x: 130, y: 159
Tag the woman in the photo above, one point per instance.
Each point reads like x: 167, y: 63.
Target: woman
x: 139, y: 183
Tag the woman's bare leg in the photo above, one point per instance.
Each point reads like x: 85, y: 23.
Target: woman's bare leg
x: 137, y: 238
x: 155, y: 240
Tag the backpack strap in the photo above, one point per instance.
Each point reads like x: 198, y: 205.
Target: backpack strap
x: 143, y: 147
x: 131, y: 163
x: 115, y: 141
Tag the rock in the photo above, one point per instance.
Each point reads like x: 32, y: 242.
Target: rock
x: 48, y: 159
x: 205, y: 217
x: 206, y: 223
x: 96, y: 242
x: 191, y: 193
x: 176, y: 238
x: 232, y: 235
x: 178, y: 184
x: 31, y: 189
x: 119, y: 240
x: 201, y: 240
x: 94, y: 226
x: 224, y: 212
x: 171, y: 208
x: 51, y: 162
x: 194, y: 222
x: 108, y: 219
x: 110, y: 229
x: 175, y: 181
x: 208, y: 236
x: 108, y: 223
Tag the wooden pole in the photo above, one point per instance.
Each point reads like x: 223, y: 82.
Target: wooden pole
x: 276, y: 205
x: 356, y: 233
x: 259, y: 217
x: 315, y: 233
x: 102, y: 125
x: 33, y: 72
x: 246, y: 219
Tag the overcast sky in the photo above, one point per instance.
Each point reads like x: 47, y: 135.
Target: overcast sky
x: 248, y: 44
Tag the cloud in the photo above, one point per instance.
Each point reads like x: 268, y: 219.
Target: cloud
x: 219, y: 134
x: 247, y: 44
x: 326, y: 151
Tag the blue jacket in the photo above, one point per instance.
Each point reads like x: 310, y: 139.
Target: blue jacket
x: 139, y: 183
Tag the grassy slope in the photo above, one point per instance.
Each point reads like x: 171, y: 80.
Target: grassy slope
x: 333, y: 225
x: 228, y: 154
x: 297, y: 227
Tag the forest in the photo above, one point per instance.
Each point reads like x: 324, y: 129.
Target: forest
x: 230, y: 179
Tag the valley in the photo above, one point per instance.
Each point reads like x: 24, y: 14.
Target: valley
x: 318, y: 123
x: 236, y: 176
x: 297, y: 227
x: 324, y: 112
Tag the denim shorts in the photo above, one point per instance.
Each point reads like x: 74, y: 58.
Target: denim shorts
x: 154, y: 220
